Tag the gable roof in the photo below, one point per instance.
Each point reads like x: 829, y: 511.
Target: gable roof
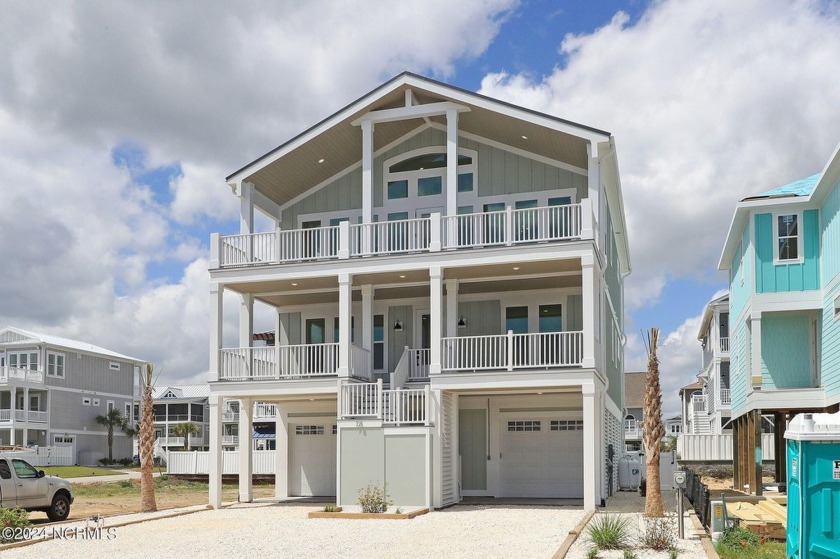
x: 709, y: 312
x: 810, y: 190
x: 182, y: 391
x: 634, y: 389
x: 10, y: 335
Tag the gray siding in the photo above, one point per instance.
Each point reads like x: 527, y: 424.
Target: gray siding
x: 362, y: 461
x: 483, y: 318
x: 398, y: 340
x: 405, y: 468
x: 290, y: 324
x: 343, y: 194
x: 68, y: 412
x: 501, y: 172
x: 87, y: 372
x: 90, y: 448
x: 573, y: 314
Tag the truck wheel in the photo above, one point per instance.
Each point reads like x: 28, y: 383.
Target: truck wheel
x: 59, y: 509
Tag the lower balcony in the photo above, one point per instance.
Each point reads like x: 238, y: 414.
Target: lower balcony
x: 278, y: 362
x: 369, y: 400
x: 23, y: 416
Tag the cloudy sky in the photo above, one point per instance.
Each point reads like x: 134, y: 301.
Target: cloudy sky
x: 120, y: 120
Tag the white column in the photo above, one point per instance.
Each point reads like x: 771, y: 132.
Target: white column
x: 367, y: 171
x: 281, y: 454
x: 590, y: 477
x: 215, y: 477
x: 246, y: 320
x: 25, y: 434
x: 367, y: 322
x: 345, y: 311
x: 12, y: 416
x: 451, y: 162
x: 216, y: 320
x: 246, y: 449
x: 452, y: 316
x: 435, y: 311
x: 588, y: 303
x: 594, y: 183
x: 246, y: 208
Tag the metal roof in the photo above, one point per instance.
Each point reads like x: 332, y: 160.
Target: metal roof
x: 183, y: 390
x: 801, y: 187
x: 26, y: 336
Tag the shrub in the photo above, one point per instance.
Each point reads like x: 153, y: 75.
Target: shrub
x: 330, y: 508
x: 105, y: 461
x: 673, y: 553
x: 629, y: 554
x: 609, y: 531
x: 13, y: 518
x: 374, y: 499
x: 658, y: 534
x: 126, y: 484
x: 592, y: 553
x: 737, y: 539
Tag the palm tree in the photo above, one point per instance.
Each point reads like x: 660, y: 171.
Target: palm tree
x: 186, y: 430
x: 653, y: 428
x: 147, y: 442
x: 112, y: 420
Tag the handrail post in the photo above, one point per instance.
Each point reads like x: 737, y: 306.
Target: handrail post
x: 427, y: 404
x: 343, y: 240
x: 508, y: 225
x: 510, y: 350
x: 278, y: 250
x: 215, y: 251
x: 586, y: 219
x: 434, y: 232
x: 379, y: 398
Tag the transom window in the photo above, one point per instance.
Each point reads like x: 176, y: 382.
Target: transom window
x: 567, y: 425
x: 524, y: 425
x: 424, y: 175
x: 787, y: 237
x: 309, y: 430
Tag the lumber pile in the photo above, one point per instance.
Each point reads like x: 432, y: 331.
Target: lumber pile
x: 766, y: 517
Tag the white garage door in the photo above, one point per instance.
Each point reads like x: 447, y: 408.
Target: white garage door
x: 312, y: 451
x: 542, y: 458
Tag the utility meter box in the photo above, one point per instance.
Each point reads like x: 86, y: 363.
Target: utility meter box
x: 813, y: 476
x: 680, y: 479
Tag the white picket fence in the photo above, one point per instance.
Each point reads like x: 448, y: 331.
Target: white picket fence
x: 60, y: 455
x: 717, y: 448
x: 198, y: 462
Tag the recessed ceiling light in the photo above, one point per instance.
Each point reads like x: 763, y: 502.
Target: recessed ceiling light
x: 294, y: 284
x: 515, y: 268
x: 402, y: 276
x: 321, y: 160
x: 524, y: 137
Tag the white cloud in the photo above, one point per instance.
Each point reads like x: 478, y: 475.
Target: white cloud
x: 709, y: 102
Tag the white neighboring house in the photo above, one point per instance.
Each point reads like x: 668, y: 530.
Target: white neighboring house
x: 175, y: 404
x: 446, y: 275
x: 634, y: 402
x: 52, y: 389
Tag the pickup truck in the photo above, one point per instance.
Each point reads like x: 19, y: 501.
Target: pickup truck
x: 21, y: 485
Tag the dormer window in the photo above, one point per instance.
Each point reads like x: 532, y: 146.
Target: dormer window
x: 788, y: 238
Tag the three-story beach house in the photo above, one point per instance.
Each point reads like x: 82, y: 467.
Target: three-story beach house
x: 783, y: 258
x: 53, y: 388
x: 446, y: 272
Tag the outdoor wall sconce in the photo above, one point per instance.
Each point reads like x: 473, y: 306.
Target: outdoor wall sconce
x: 398, y: 326
x: 462, y: 322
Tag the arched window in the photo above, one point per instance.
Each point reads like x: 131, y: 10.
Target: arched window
x: 420, y: 175
x: 629, y: 422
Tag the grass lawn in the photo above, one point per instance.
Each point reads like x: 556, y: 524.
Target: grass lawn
x: 741, y: 543
x: 78, y: 471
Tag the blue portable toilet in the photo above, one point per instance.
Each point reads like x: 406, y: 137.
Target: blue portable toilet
x: 813, y: 468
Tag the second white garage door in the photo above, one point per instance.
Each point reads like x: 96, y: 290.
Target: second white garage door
x: 542, y: 458
x: 312, y: 452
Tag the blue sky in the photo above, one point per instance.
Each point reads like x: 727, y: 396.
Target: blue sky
x: 119, y: 121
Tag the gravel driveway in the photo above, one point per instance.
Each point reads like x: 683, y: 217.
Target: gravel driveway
x: 266, y: 530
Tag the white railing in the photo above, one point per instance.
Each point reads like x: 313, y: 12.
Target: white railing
x: 361, y: 399
x: 8, y: 373
x: 724, y: 345
x: 265, y: 411
x: 38, y: 416
x: 708, y: 447
x: 433, y: 233
x: 513, y: 351
x: 247, y: 250
x: 405, y: 406
x: 401, y: 372
x: 391, y: 237
x: 307, y: 244
x: 632, y: 432
x: 230, y: 440
x: 725, y: 397
x: 360, y: 365
x: 5, y: 415
x: 230, y: 416
x: 198, y: 462
x: 418, y: 363
x: 20, y: 415
x: 279, y: 362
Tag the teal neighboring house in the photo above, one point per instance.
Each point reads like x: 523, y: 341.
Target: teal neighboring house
x: 782, y: 254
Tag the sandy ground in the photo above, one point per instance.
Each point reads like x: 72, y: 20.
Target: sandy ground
x: 272, y: 530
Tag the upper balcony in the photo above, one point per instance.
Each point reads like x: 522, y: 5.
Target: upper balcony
x: 15, y: 375
x: 434, y: 233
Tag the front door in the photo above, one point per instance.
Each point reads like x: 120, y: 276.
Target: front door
x: 315, y: 335
x: 472, y: 442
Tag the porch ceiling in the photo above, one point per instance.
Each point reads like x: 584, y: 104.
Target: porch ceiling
x: 340, y: 144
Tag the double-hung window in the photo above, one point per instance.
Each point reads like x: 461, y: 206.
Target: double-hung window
x: 788, y: 238
x: 55, y: 364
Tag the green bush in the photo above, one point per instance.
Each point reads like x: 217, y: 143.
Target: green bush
x: 592, y: 553
x: 374, y: 499
x: 13, y: 518
x: 609, y: 531
x: 330, y: 508
x: 628, y: 554
x: 126, y: 484
x: 737, y: 539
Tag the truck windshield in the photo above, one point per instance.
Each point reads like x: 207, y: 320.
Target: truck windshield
x: 23, y: 469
